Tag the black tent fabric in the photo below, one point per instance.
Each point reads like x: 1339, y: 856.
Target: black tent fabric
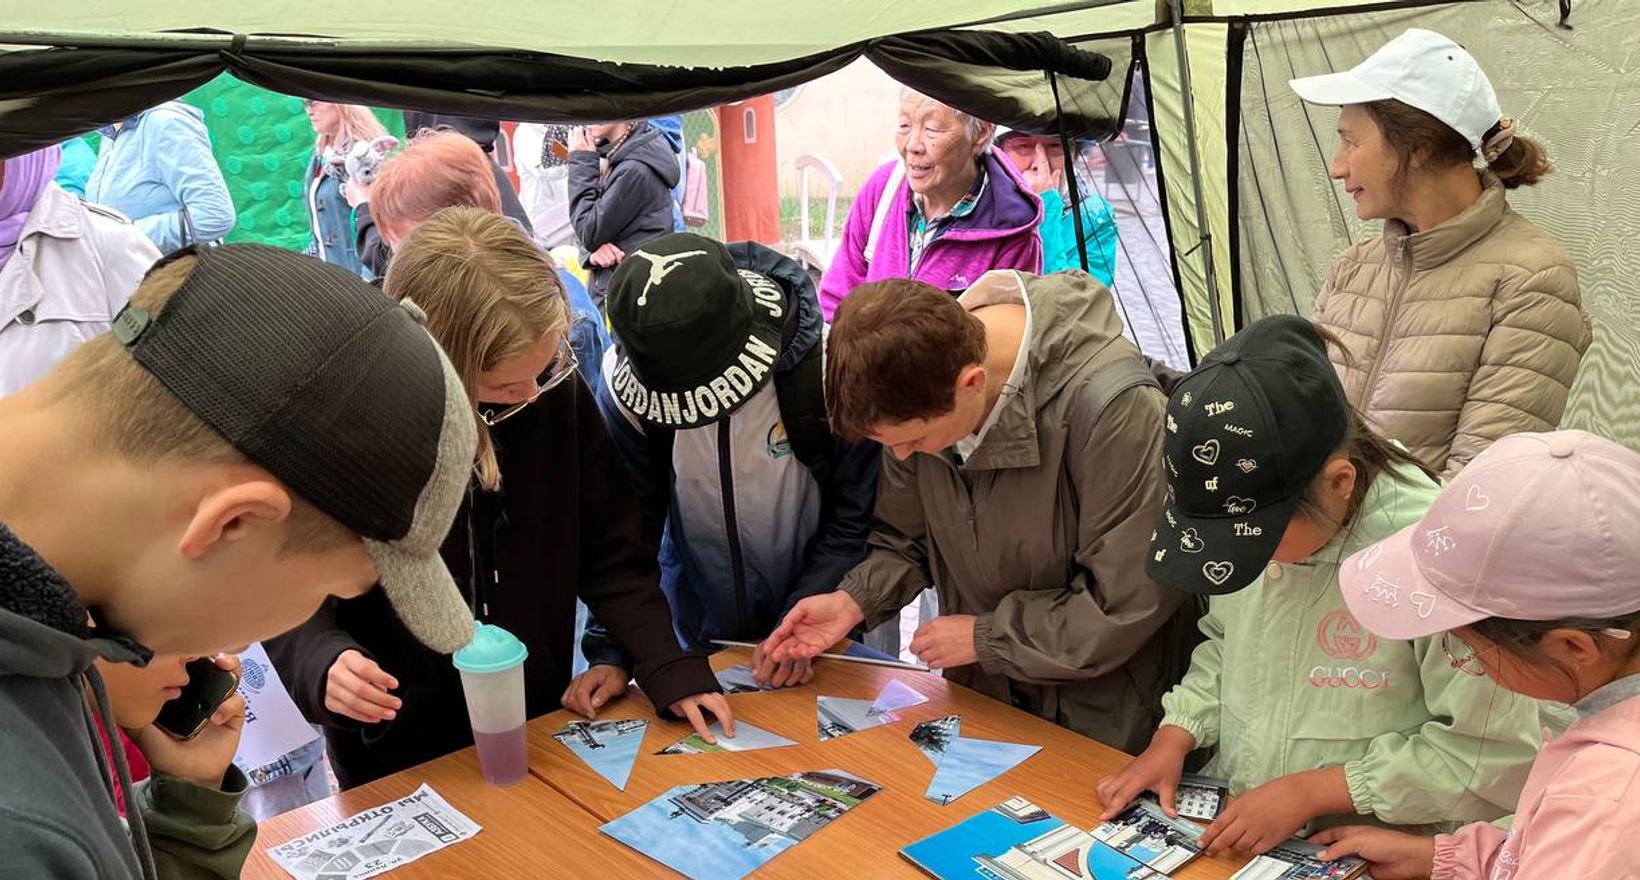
x: 52, y: 93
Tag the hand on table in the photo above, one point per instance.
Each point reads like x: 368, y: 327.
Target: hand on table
x: 592, y: 689
x: 1156, y: 769
x: 780, y: 673
x: 358, y: 688
x: 1393, y: 855
x: 692, y: 707
x: 1275, y: 811
x: 812, y: 626
x: 606, y: 255
x: 946, y: 642
x: 205, y: 758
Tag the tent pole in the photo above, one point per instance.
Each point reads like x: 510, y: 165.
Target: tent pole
x: 1205, y: 243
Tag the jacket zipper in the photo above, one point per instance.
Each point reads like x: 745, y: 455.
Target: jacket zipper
x: 1389, y: 319
x: 967, y: 497
x: 481, y: 610
x: 737, y: 562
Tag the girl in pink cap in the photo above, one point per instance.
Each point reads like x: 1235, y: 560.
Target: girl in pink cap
x: 1527, y: 562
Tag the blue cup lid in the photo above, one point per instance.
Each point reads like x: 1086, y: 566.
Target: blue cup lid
x: 491, y: 650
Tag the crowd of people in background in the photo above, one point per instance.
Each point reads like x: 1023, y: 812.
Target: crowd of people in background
x: 1346, y: 560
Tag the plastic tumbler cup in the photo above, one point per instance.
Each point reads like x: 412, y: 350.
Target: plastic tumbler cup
x: 492, y: 677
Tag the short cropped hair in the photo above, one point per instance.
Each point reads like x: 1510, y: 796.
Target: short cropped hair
x: 443, y: 169
x: 894, y: 353
x: 133, y: 415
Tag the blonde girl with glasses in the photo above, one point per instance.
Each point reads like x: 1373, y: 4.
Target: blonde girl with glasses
x: 550, y: 517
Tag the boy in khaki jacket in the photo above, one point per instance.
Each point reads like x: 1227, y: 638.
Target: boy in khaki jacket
x: 1023, y: 479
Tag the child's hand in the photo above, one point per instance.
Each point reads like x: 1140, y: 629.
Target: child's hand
x: 1157, y: 769
x: 1276, y: 810
x: 592, y: 689
x: 1393, y: 855
x: 204, y: 759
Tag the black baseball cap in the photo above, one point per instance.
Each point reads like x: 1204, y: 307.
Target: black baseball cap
x: 696, y: 337
x: 337, y: 391
x: 1246, y: 433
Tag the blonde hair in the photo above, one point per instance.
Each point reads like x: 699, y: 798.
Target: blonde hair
x: 131, y: 414
x: 489, y: 293
x: 357, y: 124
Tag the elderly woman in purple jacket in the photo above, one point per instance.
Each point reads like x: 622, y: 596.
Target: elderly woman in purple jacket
x: 946, y: 212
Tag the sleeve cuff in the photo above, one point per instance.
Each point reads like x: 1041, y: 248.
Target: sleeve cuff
x: 686, y: 676
x: 1447, y: 858
x: 1199, y: 730
x: 209, y: 806
x: 985, y: 647
x: 868, y: 606
x: 1361, y: 794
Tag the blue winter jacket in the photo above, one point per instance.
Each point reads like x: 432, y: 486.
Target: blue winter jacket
x: 734, y: 492
x: 159, y: 162
x: 587, y: 334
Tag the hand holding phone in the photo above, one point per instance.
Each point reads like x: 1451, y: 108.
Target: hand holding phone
x: 200, y: 738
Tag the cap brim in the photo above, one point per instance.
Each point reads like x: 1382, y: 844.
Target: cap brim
x: 1389, y: 594
x: 1207, y: 556
x: 424, y: 595
x: 1338, y: 89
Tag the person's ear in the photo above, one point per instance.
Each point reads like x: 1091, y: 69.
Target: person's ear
x: 972, y: 378
x: 1338, y: 476
x: 987, y: 131
x: 1571, y: 647
x: 232, y: 513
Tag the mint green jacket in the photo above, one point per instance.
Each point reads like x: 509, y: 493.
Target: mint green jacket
x: 1288, y: 681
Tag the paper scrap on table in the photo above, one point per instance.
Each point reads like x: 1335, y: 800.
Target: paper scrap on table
x: 970, y: 763
x: 896, y: 696
x: 726, y: 830
x: 274, y: 727
x: 741, y: 680
x: 837, y: 716
x: 376, y: 841
x: 608, y: 747
x: 747, y: 738
x: 933, y: 736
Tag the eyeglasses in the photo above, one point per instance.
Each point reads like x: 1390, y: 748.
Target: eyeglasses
x: 564, y: 364
x: 1463, y: 658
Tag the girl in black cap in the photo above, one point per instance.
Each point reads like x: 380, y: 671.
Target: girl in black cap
x: 1274, y: 480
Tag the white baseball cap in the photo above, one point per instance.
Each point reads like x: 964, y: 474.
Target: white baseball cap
x: 1422, y: 69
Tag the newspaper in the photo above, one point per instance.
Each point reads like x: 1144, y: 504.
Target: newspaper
x: 377, y: 840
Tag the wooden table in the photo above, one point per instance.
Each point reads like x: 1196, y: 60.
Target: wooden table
x: 530, y: 830
x: 865, y: 842
x: 547, y: 826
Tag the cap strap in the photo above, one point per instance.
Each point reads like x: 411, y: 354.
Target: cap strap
x: 1498, y: 140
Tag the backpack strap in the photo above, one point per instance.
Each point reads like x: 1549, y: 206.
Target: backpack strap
x: 801, y: 395
x: 884, y: 203
x: 1111, y: 380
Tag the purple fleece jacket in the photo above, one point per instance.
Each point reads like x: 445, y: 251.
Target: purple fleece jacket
x: 999, y: 234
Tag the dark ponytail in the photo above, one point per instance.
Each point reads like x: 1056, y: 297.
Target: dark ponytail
x: 1523, y: 638
x: 1371, y: 454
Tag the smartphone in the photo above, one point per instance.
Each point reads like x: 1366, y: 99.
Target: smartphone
x: 208, y: 687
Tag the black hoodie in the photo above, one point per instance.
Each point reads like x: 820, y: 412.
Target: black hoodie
x: 630, y: 204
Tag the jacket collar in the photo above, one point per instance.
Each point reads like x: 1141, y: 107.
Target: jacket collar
x: 56, y: 213
x: 1603, y: 698
x: 44, y: 629
x: 1438, y: 246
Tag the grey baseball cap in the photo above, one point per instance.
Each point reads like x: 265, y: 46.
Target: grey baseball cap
x: 336, y: 390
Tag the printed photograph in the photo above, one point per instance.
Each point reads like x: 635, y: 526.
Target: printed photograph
x: 836, y: 716
x: 1148, y: 836
x: 970, y: 763
x: 608, y: 747
x: 747, y: 738
x: 726, y: 830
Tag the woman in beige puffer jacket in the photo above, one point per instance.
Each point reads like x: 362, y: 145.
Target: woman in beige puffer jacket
x: 1462, y: 323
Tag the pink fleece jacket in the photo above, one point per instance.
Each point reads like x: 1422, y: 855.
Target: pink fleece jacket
x: 1579, y: 815
x: 999, y: 234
